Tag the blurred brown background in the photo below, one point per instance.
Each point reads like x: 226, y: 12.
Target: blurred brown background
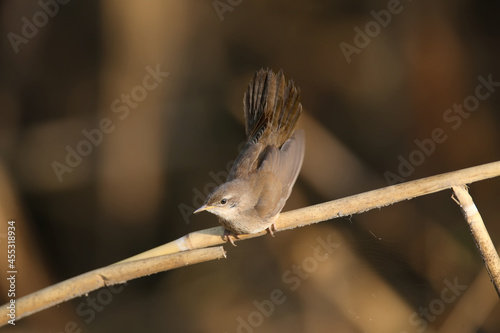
x: 146, y: 97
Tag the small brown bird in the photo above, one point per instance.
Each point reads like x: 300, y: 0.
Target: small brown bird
x: 262, y: 176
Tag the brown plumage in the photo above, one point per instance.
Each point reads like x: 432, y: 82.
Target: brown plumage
x: 263, y: 174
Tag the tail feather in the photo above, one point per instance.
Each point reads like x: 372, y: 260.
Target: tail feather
x: 271, y: 104
x: 254, y: 101
x: 290, y: 113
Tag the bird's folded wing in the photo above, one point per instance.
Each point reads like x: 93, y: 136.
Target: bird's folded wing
x: 285, y: 164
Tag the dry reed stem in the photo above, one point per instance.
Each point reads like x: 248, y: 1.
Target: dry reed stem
x: 480, y: 234
x: 106, y: 276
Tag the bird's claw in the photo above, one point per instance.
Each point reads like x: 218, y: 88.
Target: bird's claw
x: 228, y: 237
x: 271, y: 229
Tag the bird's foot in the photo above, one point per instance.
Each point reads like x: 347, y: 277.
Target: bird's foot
x: 271, y: 229
x: 230, y: 237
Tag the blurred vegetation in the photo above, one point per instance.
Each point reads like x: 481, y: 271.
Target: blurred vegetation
x: 162, y: 148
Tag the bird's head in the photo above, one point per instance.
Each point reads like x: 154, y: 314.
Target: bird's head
x: 226, y: 201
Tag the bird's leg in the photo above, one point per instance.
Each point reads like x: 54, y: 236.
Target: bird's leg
x: 272, y: 229
x: 227, y: 237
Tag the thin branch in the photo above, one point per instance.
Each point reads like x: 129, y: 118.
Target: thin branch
x: 337, y: 208
x: 159, y: 258
x: 480, y: 234
x: 106, y: 276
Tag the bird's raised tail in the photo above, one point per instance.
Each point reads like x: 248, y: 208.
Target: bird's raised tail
x: 271, y: 104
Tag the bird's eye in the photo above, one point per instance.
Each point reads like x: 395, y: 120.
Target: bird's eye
x: 223, y: 201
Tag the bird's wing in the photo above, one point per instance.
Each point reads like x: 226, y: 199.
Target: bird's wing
x: 284, y: 164
x: 247, y: 161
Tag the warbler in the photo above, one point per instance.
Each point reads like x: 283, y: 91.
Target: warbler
x: 262, y: 176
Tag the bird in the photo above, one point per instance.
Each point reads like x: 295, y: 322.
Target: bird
x: 263, y: 174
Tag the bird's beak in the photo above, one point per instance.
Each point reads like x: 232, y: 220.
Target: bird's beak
x: 202, y: 208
